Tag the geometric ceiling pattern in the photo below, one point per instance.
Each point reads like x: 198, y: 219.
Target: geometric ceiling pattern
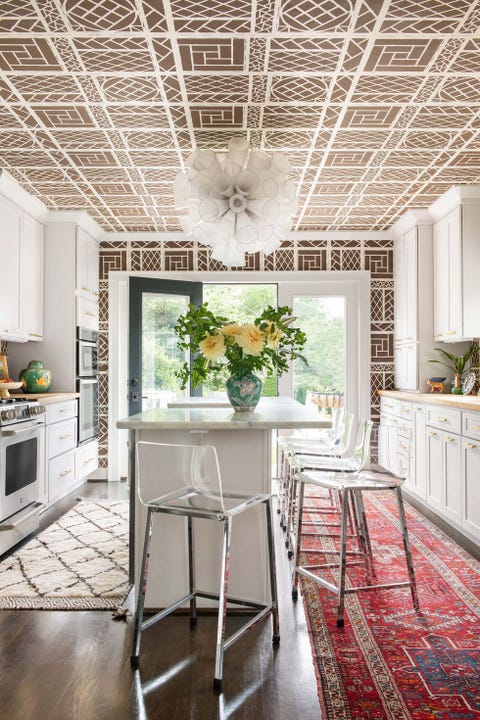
x: 376, y: 104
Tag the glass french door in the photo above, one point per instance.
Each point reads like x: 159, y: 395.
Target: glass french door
x: 154, y: 307
x: 330, y: 313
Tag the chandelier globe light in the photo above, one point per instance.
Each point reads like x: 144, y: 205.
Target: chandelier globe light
x: 237, y: 203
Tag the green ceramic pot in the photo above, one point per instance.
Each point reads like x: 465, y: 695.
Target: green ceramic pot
x: 36, y: 378
x: 244, y: 392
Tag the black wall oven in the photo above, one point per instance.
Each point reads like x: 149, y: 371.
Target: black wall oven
x: 87, y: 384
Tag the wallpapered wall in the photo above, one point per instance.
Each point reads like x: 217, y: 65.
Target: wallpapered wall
x: 300, y: 255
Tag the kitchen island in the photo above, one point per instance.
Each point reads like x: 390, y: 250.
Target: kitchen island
x: 244, y: 446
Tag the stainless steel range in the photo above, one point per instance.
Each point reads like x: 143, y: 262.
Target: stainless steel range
x: 22, y: 468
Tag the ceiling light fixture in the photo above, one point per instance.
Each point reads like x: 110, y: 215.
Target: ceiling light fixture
x: 238, y: 203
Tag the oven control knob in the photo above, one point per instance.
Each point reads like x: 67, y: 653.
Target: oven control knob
x: 11, y: 414
x: 4, y: 415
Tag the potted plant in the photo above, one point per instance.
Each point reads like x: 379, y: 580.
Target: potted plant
x: 455, y: 363
x: 266, y: 345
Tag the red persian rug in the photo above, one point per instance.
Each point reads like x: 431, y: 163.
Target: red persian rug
x: 388, y: 661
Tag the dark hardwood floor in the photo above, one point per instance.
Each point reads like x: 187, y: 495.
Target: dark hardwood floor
x: 59, y: 665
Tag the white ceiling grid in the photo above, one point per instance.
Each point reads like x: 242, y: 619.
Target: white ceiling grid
x: 376, y: 104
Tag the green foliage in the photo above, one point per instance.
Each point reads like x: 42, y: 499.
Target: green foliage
x: 280, y: 344
x: 456, y: 363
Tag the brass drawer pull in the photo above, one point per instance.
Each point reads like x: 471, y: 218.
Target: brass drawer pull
x: 470, y: 446
x: 65, y: 472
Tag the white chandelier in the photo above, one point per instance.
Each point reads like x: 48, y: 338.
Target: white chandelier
x: 241, y: 205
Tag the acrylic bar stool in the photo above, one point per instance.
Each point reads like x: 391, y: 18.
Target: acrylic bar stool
x: 191, y: 486
x: 299, y: 461
x: 350, y: 487
x: 332, y: 442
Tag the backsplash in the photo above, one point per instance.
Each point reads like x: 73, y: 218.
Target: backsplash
x: 294, y: 255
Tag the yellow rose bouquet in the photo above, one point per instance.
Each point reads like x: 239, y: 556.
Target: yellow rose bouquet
x: 266, y: 345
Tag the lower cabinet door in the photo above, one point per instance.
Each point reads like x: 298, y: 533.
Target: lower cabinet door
x: 61, y: 476
x: 471, y: 486
x: 453, y: 480
x: 435, y: 486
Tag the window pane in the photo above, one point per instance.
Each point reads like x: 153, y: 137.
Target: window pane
x: 242, y: 304
x: 161, y: 356
x: 322, y: 319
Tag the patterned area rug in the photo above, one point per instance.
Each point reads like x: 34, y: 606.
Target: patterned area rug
x: 80, y: 562
x: 388, y: 661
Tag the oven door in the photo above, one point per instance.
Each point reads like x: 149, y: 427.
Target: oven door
x: 87, y: 409
x: 22, y: 464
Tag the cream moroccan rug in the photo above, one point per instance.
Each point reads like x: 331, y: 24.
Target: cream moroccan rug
x: 80, y: 562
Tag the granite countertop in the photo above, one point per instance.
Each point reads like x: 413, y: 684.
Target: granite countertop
x: 270, y: 413
x: 48, y: 397
x: 463, y: 402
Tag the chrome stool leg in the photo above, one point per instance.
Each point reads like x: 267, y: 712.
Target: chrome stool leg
x: 345, y: 502
x: 406, y: 546
x: 137, y: 633
x: 191, y: 574
x: 298, y: 534
x: 222, y: 600
x: 273, y: 575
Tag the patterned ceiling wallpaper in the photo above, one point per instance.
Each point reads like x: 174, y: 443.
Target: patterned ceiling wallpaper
x: 376, y: 104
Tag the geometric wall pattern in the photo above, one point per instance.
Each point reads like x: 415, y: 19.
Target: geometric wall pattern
x: 376, y: 104
x: 333, y: 255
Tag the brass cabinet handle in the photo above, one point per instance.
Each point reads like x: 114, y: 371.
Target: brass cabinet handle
x: 441, y: 419
x: 64, y: 437
x: 432, y: 434
x: 65, y: 472
x: 450, y: 439
x: 470, y: 446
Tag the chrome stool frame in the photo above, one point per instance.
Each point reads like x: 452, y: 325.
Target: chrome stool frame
x: 182, y: 503
x: 350, y: 488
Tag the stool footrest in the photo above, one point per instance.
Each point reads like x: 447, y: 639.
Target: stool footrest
x: 166, y: 611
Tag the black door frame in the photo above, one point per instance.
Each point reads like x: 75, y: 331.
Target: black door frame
x: 138, y: 286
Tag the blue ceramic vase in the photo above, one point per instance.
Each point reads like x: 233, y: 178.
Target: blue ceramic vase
x: 244, y: 392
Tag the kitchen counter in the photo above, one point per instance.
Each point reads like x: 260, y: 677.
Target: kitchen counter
x: 463, y: 402
x: 47, y: 398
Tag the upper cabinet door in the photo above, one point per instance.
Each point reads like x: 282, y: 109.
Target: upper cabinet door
x: 441, y: 253
x: 406, y: 291
x: 31, y: 278
x: 86, y: 265
x: 10, y: 233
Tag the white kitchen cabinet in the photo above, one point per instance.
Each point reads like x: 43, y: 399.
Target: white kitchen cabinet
x: 413, y: 308
x: 10, y: 233
x: 86, y: 459
x: 471, y: 486
x: 452, y: 454
x: 444, y: 484
x: 31, y: 278
x: 456, y: 263
x: 87, y: 260
x: 61, y: 418
x: 434, y: 454
x: 417, y: 481
x: 21, y: 289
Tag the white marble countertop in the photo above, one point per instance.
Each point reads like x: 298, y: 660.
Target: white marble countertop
x: 270, y: 414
